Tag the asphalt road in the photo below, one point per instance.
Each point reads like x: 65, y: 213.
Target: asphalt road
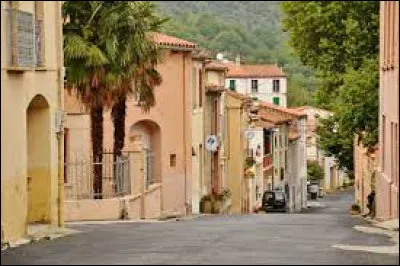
x: 304, y: 238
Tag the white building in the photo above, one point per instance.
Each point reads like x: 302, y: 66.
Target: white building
x: 265, y: 82
x: 333, y: 177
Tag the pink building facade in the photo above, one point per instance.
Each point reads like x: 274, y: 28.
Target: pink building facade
x: 387, y: 186
x: 163, y: 137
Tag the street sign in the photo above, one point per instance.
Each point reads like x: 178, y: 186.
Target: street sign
x: 250, y: 134
x: 212, y: 143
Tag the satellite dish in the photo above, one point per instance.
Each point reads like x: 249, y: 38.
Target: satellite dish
x: 220, y: 56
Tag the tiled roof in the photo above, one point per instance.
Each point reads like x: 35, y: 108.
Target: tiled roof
x: 273, y: 117
x: 254, y: 71
x: 166, y: 40
x: 217, y: 65
x: 289, y: 111
x: 237, y: 95
x: 214, y: 88
x: 264, y: 124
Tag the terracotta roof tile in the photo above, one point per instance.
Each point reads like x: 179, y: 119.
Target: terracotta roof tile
x: 214, y: 88
x: 254, y: 71
x: 166, y: 40
x: 237, y: 95
x: 264, y: 124
x: 217, y: 65
x: 273, y: 117
x: 289, y: 111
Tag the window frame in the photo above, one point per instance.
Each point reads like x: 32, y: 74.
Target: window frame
x: 254, y: 86
x: 276, y: 86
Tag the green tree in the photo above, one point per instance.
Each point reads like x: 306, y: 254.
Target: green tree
x: 87, y: 59
x: 257, y: 36
x: 314, y: 171
x: 134, y: 64
x: 106, y: 44
x: 331, y: 36
x: 339, y: 40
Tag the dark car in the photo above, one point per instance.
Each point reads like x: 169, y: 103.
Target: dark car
x: 274, y: 201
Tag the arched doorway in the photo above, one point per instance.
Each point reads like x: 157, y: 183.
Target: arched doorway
x: 148, y: 134
x: 38, y: 156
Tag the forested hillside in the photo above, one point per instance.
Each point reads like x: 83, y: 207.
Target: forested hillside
x: 251, y: 29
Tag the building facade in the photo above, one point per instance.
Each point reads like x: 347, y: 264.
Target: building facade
x: 263, y: 82
x: 163, y: 136
x: 333, y: 177
x: 365, y: 166
x: 31, y: 117
x: 387, y: 186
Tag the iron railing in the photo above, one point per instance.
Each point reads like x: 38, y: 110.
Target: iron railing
x: 148, y: 167
x: 115, y: 178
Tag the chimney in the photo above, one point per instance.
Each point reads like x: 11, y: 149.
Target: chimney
x: 237, y: 61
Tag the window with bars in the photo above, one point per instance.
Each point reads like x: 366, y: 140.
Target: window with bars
x: 26, y: 42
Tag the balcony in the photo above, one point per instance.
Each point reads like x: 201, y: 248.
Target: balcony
x: 267, y: 162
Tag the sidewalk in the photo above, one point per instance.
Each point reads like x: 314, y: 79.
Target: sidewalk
x: 38, y: 233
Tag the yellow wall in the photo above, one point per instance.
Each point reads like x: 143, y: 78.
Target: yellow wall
x: 234, y: 148
x: 17, y: 92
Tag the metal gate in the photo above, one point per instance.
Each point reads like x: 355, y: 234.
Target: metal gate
x: 79, y: 177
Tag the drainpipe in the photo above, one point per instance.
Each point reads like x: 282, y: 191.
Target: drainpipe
x: 60, y: 135
x: 184, y: 129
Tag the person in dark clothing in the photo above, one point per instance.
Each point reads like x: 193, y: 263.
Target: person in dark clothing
x: 371, y: 203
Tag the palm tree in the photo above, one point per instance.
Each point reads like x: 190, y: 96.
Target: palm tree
x: 107, y: 45
x: 88, y: 59
x: 135, y: 63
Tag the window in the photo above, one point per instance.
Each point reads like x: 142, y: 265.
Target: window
x: 276, y: 100
x: 396, y: 154
x: 39, y: 34
x: 25, y: 31
x: 200, y: 88
x: 66, y: 154
x: 194, y: 88
x: 383, y: 142
x: 275, y: 85
x: 254, y: 86
x: 232, y: 84
x: 172, y: 160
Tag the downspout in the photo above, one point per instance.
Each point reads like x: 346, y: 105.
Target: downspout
x: 184, y: 129
x: 60, y: 135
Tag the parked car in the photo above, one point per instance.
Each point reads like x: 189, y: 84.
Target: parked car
x: 313, y: 189
x: 274, y: 201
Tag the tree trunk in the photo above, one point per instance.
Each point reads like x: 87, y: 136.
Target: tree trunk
x: 118, y: 114
x: 96, y: 116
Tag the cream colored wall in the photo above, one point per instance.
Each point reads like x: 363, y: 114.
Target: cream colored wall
x: 235, y: 152
x: 279, y: 155
x: 17, y: 91
x: 197, y: 137
x: 172, y: 113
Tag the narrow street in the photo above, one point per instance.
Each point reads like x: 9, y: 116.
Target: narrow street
x: 306, y: 238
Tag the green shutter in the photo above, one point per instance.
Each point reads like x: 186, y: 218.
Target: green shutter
x: 276, y: 100
x: 232, y: 84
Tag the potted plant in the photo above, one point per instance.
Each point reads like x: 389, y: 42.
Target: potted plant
x: 355, y: 209
x: 249, y: 173
x: 206, y: 204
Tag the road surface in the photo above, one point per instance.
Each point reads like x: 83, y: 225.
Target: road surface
x: 303, y: 238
